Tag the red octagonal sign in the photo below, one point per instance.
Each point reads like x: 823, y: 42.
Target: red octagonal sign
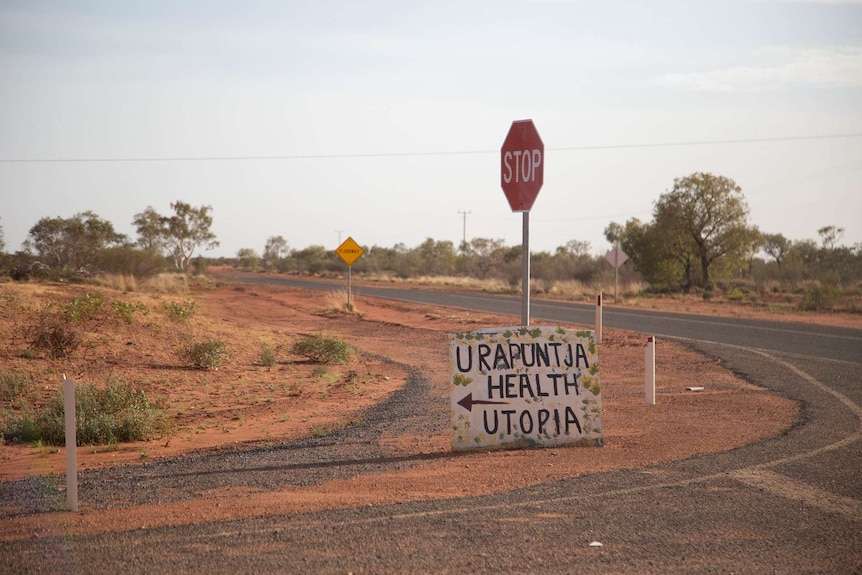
x: 522, y: 165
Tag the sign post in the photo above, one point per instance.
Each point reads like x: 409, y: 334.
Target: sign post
x: 349, y: 251
x: 522, y: 163
x: 616, y: 257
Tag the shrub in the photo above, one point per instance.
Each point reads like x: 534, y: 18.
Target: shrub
x: 79, y: 309
x: 201, y: 265
x: 735, y: 294
x: 181, y: 310
x: 13, y: 386
x: 53, y: 336
x: 111, y: 414
x: 21, y: 426
x: 321, y: 349
x: 125, y: 310
x: 319, y: 372
x: 210, y: 354
x: 819, y: 297
x: 267, y: 357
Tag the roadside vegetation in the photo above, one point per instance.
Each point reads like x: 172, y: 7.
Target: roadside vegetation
x: 321, y: 349
x: 93, y: 295
x: 129, y: 354
x: 700, y: 241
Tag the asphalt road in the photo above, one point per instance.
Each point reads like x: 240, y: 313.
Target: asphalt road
x: 802, y: 339
x: 789, y: 504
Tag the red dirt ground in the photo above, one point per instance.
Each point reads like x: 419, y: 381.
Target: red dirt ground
x: 246, y: 403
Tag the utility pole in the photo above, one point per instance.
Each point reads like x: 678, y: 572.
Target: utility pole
x: 464, y: 214
x: 339, y: 236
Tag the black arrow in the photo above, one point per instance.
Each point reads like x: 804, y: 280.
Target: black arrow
x: 468, y: 402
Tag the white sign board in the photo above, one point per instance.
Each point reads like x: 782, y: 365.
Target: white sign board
x: 525, y: 387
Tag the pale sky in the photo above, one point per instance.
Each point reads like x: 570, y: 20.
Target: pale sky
x: 383, y: 121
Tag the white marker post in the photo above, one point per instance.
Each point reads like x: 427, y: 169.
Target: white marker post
x: 649, y: 379
x: 599, y: 317
x: 71, y: 444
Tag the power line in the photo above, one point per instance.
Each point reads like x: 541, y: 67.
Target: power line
x: 418, y: 154
x: 714, y: 142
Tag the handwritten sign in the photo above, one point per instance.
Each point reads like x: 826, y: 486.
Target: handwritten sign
x: 525, y: 387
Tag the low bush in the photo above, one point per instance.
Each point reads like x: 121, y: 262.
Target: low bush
x: 53, y: 336
x: 320, y: 349
x: 13, y: 386
x: 111, y: 414
x: 126, y: 311
x: 210, y: 354
x: 181, y: 310
x: 818, y: 297
x: 79, y: 309
x: 735, y: 295
x: 267, y: 356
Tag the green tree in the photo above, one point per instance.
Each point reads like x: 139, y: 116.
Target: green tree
x: 628, y: 236
x: 615, y: 233
x: 152, y: 231
x: 274, y: 252
x: 72, y: 243
x: 835, y: 263
x: 189, y: 229
x: 830, y: 236
x: 248, y: 259
x: 405, y: 261
x: 2, y: 241
x: 313, y: 259
x: 437, y: 258
x: 484, y: 257
x: 180, y: 234
x: 777, y: 247
x: 705, y: 217
x: 666, y: 257
x: 571, y: 260
x: 658, y: 255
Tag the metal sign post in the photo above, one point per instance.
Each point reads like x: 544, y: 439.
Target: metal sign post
x: 522, y: 163
x: 349, y: 251
x: 525, y: 271
x: 616, y: 257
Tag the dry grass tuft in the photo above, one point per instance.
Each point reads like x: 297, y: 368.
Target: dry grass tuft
x: 575, y: 290
x: 336, y: 302
x: 167, y: 284
x: 484, y: 285
x: 121, y: 282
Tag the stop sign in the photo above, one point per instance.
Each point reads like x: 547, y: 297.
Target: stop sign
x: 522, y: 165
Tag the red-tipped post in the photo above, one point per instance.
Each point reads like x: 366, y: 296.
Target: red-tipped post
x: 599, y: 317
x: 649, y: 379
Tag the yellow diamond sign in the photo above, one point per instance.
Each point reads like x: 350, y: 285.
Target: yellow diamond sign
x: 349, y: 251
